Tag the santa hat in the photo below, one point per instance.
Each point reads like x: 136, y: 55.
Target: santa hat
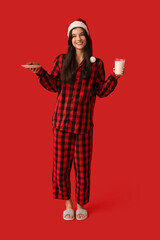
x: 79, y: 22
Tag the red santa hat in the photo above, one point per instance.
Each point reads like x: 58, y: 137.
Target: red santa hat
x: 79, y: 22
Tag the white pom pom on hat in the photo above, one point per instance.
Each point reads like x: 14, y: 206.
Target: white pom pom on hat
x: 92, y: 59
x: 79, y: 22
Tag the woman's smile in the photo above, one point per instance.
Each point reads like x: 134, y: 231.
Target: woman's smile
x: 79, y: 43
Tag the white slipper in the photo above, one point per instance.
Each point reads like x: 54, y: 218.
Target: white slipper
x: 66, y: 212
x: 81, y: 211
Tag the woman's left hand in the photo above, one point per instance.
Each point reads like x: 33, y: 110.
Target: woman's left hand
x: 119, y: 75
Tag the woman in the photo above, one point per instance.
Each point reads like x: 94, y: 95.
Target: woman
x: 77, y: 77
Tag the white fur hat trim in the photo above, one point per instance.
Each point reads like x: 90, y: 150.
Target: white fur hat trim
x: 77, y: 24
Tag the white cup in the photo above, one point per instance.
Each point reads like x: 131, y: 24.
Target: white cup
x: 119, y: 65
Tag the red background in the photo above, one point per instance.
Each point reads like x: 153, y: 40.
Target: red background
x: 124, y: 200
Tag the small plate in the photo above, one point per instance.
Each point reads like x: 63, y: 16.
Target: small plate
x: 31, y: 66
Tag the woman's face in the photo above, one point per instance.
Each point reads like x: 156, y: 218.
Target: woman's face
x: 79, y: 40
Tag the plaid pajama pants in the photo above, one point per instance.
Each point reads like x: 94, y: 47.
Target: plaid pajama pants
x: 68, y: 146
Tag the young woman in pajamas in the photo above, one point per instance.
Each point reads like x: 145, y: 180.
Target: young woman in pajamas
x: 77, y: 77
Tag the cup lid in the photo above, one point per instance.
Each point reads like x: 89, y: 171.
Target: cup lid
x: 119, y: 59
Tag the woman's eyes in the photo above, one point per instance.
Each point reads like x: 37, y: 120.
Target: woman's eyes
x: 80, y: 35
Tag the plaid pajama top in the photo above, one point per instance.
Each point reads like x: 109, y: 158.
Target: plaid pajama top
x: 75, y: 102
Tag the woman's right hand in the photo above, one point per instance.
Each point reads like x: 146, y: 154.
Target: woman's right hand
x: 34, y: 70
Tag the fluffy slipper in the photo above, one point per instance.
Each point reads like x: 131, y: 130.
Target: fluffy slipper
x: 81, y: 211
x: 66, y: 212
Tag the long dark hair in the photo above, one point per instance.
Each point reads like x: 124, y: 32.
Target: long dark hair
x: 69, y: 65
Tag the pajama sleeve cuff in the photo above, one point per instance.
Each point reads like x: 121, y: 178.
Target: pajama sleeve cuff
x: 115, y: 76
x: 40, y: 72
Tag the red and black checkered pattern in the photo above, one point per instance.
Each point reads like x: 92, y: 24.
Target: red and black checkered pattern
x: 69, y: 146
x: 75, y: 102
